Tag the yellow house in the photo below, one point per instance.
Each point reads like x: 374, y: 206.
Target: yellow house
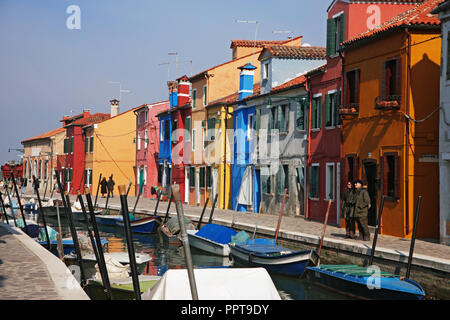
x: 115, y: 149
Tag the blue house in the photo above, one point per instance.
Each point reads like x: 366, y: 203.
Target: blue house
x: 165, y: 141
x: 244, y: 189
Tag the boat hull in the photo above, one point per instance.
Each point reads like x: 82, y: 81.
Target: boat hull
x: 145, y: 225
x: 207, y: 245
x: 292, y: 264
x: 120, y: 291
x: 357, y: 287
x: 107, y: 220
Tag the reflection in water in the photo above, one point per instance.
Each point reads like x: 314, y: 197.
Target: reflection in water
x: 165, y: 256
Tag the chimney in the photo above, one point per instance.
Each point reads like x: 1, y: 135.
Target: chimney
x: 246, y: 81
x: 114, y: 107
x: 183, y: 90
x: 173, y: 94
x: 86, y: 113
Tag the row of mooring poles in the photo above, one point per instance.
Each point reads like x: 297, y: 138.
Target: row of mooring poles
x: 19, y: 202
x: 42, y: 214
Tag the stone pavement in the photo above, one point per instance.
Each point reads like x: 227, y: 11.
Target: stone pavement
x: 28, y: 271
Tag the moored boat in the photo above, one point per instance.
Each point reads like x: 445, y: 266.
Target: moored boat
x: 365, y: 283
x: 122, y: 289
x: 68, y: 245
x: 264, y: 253
x: 212, y: 238
x: 145, y: 225
x: 107, y: 220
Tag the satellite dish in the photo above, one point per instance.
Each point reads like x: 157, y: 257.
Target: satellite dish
x: 306, y: 45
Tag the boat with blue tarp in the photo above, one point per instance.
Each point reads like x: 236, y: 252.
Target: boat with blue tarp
x: 212, y: 238
x: 365, y: 283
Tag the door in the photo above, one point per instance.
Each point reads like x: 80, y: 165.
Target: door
x: 186, y: 184
x: 370, y: 170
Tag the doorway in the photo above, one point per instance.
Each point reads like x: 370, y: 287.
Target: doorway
x: 370, y: 170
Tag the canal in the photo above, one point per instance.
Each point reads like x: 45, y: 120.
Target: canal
x: 165, y: 256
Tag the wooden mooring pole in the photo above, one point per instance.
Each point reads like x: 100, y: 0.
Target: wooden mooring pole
x: 18, y: 202
x: 281, y: 215
x: 377, y: 230
x: 3, y: 207
x: 41, y: 212
x: 324, y: 229
x: 413, y: 239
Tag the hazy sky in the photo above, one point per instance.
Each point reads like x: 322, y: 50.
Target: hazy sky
x: 48, y: 70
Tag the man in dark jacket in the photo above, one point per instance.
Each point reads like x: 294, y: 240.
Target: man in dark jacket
x: 348, y: 210
x: 362, y: 205
x: 111, y: 186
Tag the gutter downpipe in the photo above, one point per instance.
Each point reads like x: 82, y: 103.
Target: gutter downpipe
x: 341, y: 151
x: 408, y: 77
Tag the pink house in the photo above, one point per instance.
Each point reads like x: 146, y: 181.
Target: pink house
x: 147, y: 145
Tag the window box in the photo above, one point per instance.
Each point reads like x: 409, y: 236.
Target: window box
x: 349, y: 110
x: 388, y: 102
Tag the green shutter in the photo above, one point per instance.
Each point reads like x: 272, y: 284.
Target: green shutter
x: 208, y: 177
x: 202, y: 177
x: 86, y: 145
x: 319, y: 114
x: 92, y: 144
x: 313, y: 113
x: 70, y: 174
x: 192, y: 177
x: 328, y: 110
x: 337, y: 101
x: 187, y: 127
x: 90, y: 177
x: 331, y: 37
x: 300, y: 121
x: 71, y: 145
x: 66, y: 146
x: 194, y: 99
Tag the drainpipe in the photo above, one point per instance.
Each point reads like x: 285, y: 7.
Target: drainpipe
x: 224, y: 137
x: 308, y: 156
x: 408, y: 77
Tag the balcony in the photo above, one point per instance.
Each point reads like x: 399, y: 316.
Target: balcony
x: 388, y: 102
x: 351, y: 109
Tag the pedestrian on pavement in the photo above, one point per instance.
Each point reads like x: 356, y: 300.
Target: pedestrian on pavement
x: 111, y: 186
x: 104, y: 187
x: 36, y: 185
x: 348, y: 210
x: 362, y: 206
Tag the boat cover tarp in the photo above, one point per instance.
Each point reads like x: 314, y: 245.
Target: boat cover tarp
x: 215, y: 284
x: 174, y: 226
x: 116, y: 270
x: 216, y: 233
x: 240, y: 238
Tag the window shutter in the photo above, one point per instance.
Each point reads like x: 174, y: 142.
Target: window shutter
x: 86, y: 145
x: 313, y: 113
x: 319, y: 114
x: 280, y: 116
x: 398, y: 75
x: 337, y: 100
x: 331, y: 37
x: 187, y: 127
x: 71, y: 145
x: 327, y: 111
x: 92, y: 144
x: 90, y: 176
x: 341, y: 34
x: 397, y: 177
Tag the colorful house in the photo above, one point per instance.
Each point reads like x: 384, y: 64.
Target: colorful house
x: 346, y: 19
x: 444, y: 124
x: 115, y: 151
x: 147, y: 146
x: 390, y: 133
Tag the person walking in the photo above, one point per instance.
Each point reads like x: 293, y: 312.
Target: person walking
x: 362, y: 206
x: 111, y: 186
x: 35, y: 185
x: 103, y: 187
x: 348, y: 210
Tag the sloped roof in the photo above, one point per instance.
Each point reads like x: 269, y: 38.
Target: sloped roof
x: 95, y: 118
x: 260, y: 43
x: 232, y: 98
x: 45, y: 135
x: 296, y: 52
x: 420, y: 15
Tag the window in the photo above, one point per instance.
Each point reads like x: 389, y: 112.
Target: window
x: 160, y: 173
x: 314, y: 178
x: 146, y: 139
x: 71, y: 145
x: 301, y: 116
x: 352, y: 88
x: 212, y: 129
x: 283, y: 179
x: 194, y: 98
x: 204, y: 133
x: 250, y: 126
x: 46, y: 169
x: 316, y: 112
x: 283, y: 117
x: 265, y: 179
x: 335, y: 33
x: 352, y: 167
x: 146, y: 115
x: 332, y: 109
x: 193, y: 139
x: 174, y: 137
x: 391, y: 175
x: 145, y: 175
x: 192, y: 177
x: 139, y: 141
x: 205, y: 98
x: 40, y: 169
x: 390, y: 85
x: 329, y: 179
x: 257, y: 119
x: 265, y: 71
x: 86, y: 144
x: 161, y: 131
x: 167, y: 130
x: 187, y: 129
x: 273, y: 118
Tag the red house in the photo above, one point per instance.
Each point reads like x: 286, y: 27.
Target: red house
x: 327, y: 172
x: 147, y: 145
x: 71, y: 164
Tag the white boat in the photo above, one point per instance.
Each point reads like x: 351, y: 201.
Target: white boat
x: 212, y: 238
x: 215, y: 284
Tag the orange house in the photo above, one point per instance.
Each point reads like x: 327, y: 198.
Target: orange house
x: 390, y: 133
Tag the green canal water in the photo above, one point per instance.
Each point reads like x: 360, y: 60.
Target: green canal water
x: 172, y: 256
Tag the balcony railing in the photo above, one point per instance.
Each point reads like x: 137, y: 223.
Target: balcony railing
x: 388, y: 102
x: 351, y: 109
